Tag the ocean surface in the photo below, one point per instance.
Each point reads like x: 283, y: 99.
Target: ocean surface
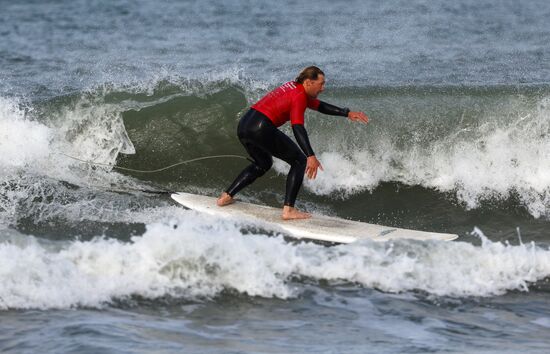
x: 95, y: 259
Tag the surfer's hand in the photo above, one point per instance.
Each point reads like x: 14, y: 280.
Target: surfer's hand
x: 358, y: 117
x: 311, y: 167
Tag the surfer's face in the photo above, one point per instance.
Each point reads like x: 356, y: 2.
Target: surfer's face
x: 314, y: 87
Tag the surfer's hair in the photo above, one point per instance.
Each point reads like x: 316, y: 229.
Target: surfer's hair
x: 311, y: 72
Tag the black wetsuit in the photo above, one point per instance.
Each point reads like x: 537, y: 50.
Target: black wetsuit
x: 262, y: 140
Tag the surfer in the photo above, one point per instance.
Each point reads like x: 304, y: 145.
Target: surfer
x: 258, y: 133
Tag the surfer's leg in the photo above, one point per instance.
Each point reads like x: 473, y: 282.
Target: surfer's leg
x: 285, y: 149
x: 262, y: 163
x: 251, y: 130
x: 294, y: 180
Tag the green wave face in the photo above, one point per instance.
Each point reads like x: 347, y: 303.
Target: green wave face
x: 465, y: 148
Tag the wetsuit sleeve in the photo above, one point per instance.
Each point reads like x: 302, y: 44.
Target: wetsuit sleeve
x: 327, y: 108
x: 301, y: 137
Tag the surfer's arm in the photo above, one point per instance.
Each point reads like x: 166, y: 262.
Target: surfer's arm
x: 302, y: 139
x: 327, y: 108
x: 297, y: 120
x: 312, y: 163
x: 332, y: 110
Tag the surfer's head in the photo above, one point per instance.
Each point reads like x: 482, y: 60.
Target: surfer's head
x: 313, y: 80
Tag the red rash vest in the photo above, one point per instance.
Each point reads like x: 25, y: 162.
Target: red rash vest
x: 287, y: 102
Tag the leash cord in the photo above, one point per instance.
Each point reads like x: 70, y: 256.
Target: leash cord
x: 157, y: 170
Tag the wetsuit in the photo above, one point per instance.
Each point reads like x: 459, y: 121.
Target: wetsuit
x: 258, y: 133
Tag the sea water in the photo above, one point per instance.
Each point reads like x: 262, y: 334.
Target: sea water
x: 458, y: 96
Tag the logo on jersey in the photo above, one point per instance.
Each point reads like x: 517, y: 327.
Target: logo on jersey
x: 291, y: 85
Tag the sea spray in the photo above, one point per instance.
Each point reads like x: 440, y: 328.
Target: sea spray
x: 192, y: 256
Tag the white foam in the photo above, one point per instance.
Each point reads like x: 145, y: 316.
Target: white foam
x: 22, y: 141
x: 31, y: 165
x: 199, y: 256
x: 494, y: 160
x: 88, y: 130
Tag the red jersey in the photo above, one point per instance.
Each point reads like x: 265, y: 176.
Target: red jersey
x: 287, y: 102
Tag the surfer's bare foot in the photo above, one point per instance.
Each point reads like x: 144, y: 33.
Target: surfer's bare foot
x: 290, y: 213
x: 225, y: 199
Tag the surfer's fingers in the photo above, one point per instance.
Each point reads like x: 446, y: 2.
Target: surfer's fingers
x: 361, y: 117
x: 316, y: 171
x: 313, y: 173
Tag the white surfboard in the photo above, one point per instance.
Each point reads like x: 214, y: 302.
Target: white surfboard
x: 318, y: 227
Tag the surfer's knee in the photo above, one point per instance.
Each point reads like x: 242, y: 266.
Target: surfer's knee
x: 261, y: 169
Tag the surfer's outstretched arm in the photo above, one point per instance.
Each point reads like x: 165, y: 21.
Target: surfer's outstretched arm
x: 332, y: 110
